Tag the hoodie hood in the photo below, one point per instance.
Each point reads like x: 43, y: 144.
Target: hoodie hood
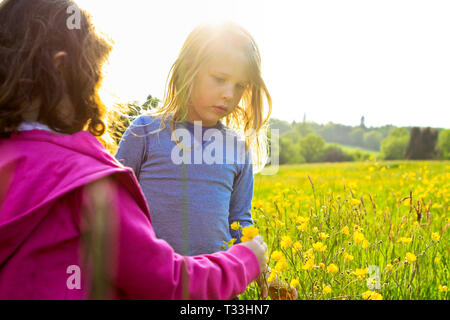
x: 39, y: 167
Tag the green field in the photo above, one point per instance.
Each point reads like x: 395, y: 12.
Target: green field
x: 365, y: 230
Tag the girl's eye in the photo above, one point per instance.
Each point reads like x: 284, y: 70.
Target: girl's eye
x: 240, y: 86
x: 219, y: 79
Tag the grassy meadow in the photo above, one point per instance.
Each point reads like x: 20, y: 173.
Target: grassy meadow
x: 364, y: 230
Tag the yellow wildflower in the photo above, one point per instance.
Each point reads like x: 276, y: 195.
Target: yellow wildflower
x: 302, y: 220
x: 309, y: 265
x: 345, y: 230
x: 326, y: 289
x: 318, y: 246
x: 272, y: 276
x: 315, y: 229
x: 235, y: 226
x: 443, y: 288
x: 249, y: 233
x: 332, y: 268
x: 404, y: 240
x: 281, y: 265
x: 230, y: 243
x: 410, y: 257
x: 365, y: 244
x: 286, y: 242
x: 348, y: 256
x: 355, y: 202
x: 372, y: 295
x: 296, y: 247
x: 323, y: 235
x: 437, y: 260
x: 276, y: 255
x: 389, y: 267
x: 302, y: 227
x: 309, y: 253
x: 294, y: 283
x: 435, y: 236
x: 360, y: 273
x: 322, y: 265
x: 358, y: 237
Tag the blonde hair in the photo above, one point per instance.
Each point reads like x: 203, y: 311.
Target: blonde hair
x: 202, y: 45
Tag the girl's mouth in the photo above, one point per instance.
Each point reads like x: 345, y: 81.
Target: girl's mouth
x: 220, y: 109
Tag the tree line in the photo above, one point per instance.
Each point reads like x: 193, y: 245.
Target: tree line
x: 307, y: 142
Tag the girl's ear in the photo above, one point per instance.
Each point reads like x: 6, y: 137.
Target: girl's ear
x: 58, y: 61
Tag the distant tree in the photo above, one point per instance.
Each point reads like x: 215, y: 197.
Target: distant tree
x: 333, y: 153
x: 281, y: 125
x: 292, y: 135
x: 311, y: 147
x: 443, y: 145
x: 357, y: 137
x: 393, y: 147
x: 372, y: 139
x: 422, y: 144
x: 289, y: 152
x: 303, y: 128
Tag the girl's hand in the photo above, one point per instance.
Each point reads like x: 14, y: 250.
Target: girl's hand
x: 259, y: 248
x: 276, y: 289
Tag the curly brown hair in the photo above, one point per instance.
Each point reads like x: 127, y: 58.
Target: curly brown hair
x: 31, y: 33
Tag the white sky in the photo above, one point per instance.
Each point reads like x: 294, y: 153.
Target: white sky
x: 335, y: 60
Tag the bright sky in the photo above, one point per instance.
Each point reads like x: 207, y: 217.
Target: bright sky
x: 387, y: 60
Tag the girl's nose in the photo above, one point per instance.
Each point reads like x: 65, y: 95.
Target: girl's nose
x: 228, y: 92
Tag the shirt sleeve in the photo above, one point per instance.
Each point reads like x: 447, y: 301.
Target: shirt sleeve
x: 133, y: 146
x: 241, y: 198
x: 148, y: 268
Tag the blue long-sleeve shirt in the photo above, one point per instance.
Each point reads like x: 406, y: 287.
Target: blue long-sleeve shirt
x: 193, y: 195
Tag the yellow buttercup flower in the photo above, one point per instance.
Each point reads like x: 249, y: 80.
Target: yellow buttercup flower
x: 326, y: 289
x: 435, y: 236
x: 309, y: 265
x: 437, y: 259
x: 286, y: 242
x: 389, y: 267
x: 345, y: 230
x: 372, y: 295
x: 323, y: 235
x: 404, y: 240
x: 348, y: 256
x: 365, y: 244
x: 315, y: 229
x: 272, y: 276
x: 360, y: 273
x: 443, y: 288
x: 358, y: 237
x: 296, y: 247
x: 301, y: 219
x: 235, y: 226
x: 249, y: 233
x: 309, y: 253
x: 302, y: 227
x: 276, y: 255
x: 294, y: 283
x: 281, y: 265
x: 332, y: 268
x: 410, y: 257
x: 318, y: 246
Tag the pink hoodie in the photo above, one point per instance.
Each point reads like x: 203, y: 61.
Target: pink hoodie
x: 43, y: 178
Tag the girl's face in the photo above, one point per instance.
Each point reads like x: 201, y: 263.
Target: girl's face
x: 217, y: 90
